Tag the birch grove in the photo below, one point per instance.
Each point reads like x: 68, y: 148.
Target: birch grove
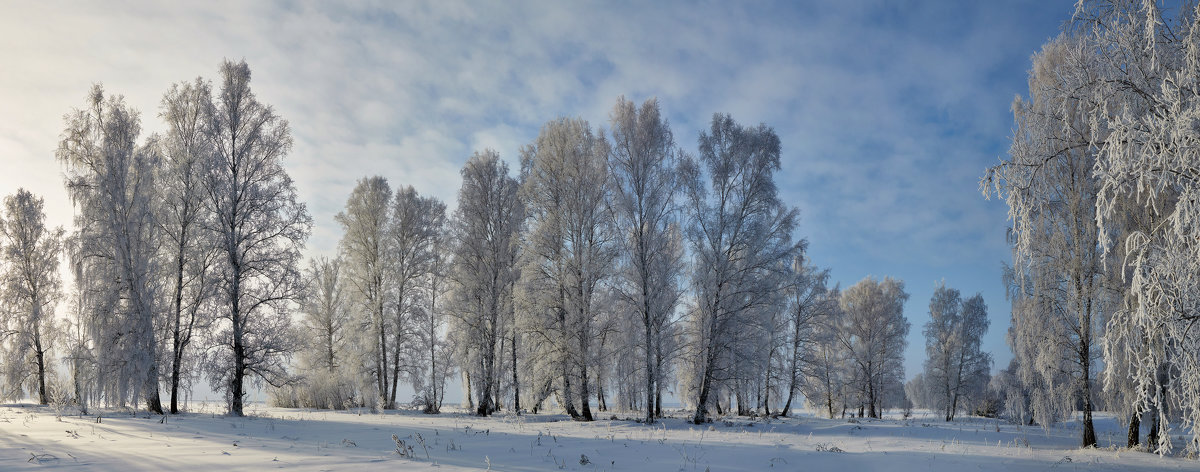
x: 612, y: 271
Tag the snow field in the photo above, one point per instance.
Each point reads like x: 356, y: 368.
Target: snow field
x: 38, y: 438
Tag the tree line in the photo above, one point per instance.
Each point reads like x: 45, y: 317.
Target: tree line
x: 607, y: 256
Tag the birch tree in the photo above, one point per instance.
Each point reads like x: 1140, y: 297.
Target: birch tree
x: 364, y: 252
x: 327, y: 357
x: 1051, y: 190
x: 415, y: 223
x: 433, y: 346
x: 111, y: 180
x: 325, y: 316
x: 955, y: 366
x: 873, y: 334
x: 826, y: 363
x: 486, y: 232
x: 260, y: 228
x: 30, y: 287
x: 643, y: 166
x: 188, y: 250
x: 807, y: 303
x: 1148, y: 65
x: 741, y: 238
x: 570, y: 248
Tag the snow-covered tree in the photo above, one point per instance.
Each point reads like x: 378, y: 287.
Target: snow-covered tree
x: 260, y: 227
x: 327, y: 362
x: 644, y: 181
x: 570, y: 249
x: 325, y: 317
x: 975, y: 366
x: 827, y: 371
x: 486, y: 231
x: 188, y: 251
x: 1148, y: 73
x: 1049, y: 184
x: 415, y: 224
x: 807, y: 303
x: 741, y: 238
x: 29, y: 288
x: 78, y: 356
x: 955, y: 367
x: 432, y: 347
x: 1013, y: 393
x: 873, y: 333
x: 365, y: 256
x: 112, y: 182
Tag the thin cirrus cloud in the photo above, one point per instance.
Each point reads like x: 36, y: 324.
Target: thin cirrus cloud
x: 888, y: 111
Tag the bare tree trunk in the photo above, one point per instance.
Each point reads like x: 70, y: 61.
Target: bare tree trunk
x: 239, y: 355
x: 1134, y: 430
x: 650, y: 372
x: 485, y: 396
x: 175, y: 361
x: 701, y: 415
x: 176, y: 334
x: 1152, y: 435
x: 41, y: 365
x: 584, y: 391
x: 396, y: 349
x: 381, y: 364
x: 516, y: 384
x: 601, y: 405
x: 470, y: 394
x: 239, y: 367
x: 150, y: 383
x: 1085, y: 349
x: 872, y: 399
x: 658, y: 413
x: 658, y: 384
x: 488, y: 351
x: 1089, y: 431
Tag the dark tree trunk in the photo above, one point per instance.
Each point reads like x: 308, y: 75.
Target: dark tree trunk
x: 239, y: 368
x: 391, y: 402
x: 516, y: 384
x: 600, y: 403
x: 41, y: 366
x: 1152, y: 436
x: 175, y: 382
x: 650, y: 374
x: 585, y: 408
x: 239, y: 351
x: 1089, y: 431
x: 567, y: 395
x: 381, y: 360
x: 701, y: 415
x: 1134, y: 430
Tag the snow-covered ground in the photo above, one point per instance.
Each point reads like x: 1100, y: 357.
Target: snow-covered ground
x: 37, y: 438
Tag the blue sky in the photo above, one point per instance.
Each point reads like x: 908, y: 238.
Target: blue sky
x: 888, y: 111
